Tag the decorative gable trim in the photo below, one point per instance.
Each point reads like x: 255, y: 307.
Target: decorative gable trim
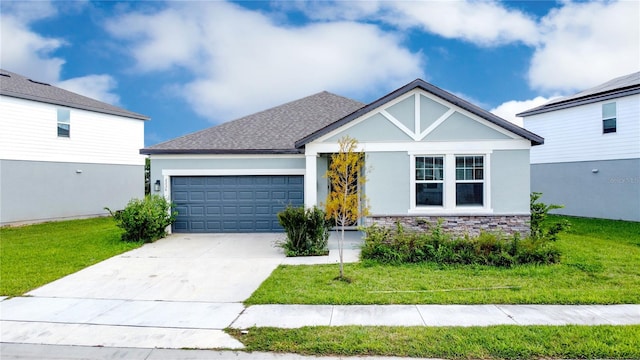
x: 431, y: 89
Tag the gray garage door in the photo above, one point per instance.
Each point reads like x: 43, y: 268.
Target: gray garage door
x: 233, y: 203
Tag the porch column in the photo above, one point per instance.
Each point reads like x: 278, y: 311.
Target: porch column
x: 311, y: 181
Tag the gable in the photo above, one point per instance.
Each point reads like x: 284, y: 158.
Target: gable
x: 376, y: 128
x: 461, y: 127
x: 418, y: 116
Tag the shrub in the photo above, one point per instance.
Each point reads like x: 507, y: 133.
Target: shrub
x: 542, y: 228
x: 144, y: 219
x: 397, y: 246
x: 307, y: 231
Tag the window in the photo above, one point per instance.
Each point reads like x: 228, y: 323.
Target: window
x: 470, y: 180
x: 64, y: 123
x: 608, y: 118
x: 450, y: 183
x: 429, y: 180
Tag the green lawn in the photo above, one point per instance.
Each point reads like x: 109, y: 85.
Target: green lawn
x: 31, y: 256
x: 494, y: 342
x: 600, y: 265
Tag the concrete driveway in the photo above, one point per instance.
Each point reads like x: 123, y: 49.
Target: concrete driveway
x: 179, y: 292
x: 194, y: 267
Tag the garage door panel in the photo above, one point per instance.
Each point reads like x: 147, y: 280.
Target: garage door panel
x: 263, y: 210
x: 229, y: 195
x: 230, y: 180
x: 296, y: 195
x: 214, y: 210
x: 197, y: 225
x: 213, y: 180
x: 196, y: 196
x: 180, y: 196
x: 180, y: 226
x: 295, y: 180
x: 214, y: 226
x: 246, y: 210
x: 278, y: 180
x: 233, y: 203
x: 196, y: 211
x: 197, y: 181
x: 213, y: 195
x: 245, y: 195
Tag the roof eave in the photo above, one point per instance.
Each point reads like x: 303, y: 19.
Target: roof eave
x: 589, y: 99
x: 151, y: 151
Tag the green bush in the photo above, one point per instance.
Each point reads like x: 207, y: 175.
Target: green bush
x: 543, y: 228
x: 144, y: 219
x: 398, y: 246
x: 307, y: 231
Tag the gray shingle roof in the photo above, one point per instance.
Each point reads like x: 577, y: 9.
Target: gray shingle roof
x: 621, y: 86
x: 18, y: 86
x: 421, y: 84
x: 273, y: 130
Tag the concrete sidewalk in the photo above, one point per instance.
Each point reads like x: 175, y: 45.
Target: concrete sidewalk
x: 295, y: 316
x: 54, y: 352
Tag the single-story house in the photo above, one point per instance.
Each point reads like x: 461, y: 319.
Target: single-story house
x: 590, y: 162
x: 429, y: 155
x: 64, y: 155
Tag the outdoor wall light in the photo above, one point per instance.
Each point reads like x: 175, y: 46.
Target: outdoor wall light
x: 595, y: 171
x: 156, y: 185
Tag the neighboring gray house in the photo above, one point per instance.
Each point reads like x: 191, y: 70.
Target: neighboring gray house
x: 63, y: 155
x: 429, y: 155
x: 590, y: 162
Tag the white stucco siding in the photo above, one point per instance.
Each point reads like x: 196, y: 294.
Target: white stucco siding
x: 28, y: 132
x: 575, y: 134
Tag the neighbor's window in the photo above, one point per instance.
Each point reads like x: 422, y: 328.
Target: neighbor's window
x: 429, y: 180
x: 470, y: 180
x: 64, y: 122
x: 608, y: 118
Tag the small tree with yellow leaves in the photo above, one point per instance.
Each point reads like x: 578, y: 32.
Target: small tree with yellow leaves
x: 345, y: 202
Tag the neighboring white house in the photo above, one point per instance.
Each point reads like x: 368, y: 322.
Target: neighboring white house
x: 430, y: 155
x: 590, y: 162
x: 63, y: 155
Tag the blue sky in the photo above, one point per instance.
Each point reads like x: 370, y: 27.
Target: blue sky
x: 192, y: 64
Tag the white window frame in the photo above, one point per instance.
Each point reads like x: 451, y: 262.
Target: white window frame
x: 63, y: 122
x: 470, y: 181
x: 614, y: 118
x: 449, y: 186
x: 416, y: 181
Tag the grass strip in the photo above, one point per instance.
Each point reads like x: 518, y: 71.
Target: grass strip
x: 494, y: 342
x: 34, y: 255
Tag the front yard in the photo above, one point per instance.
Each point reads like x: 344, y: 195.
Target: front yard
x: 600, y: 265
x: 34, y: 255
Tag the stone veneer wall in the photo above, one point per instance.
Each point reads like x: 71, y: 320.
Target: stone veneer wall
x: 460, y: 225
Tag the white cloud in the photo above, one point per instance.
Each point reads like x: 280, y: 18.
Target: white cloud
x: 243, y: 62
x: 28, y: 11
x: 97, y: 87
x: 480, y: 22
x: 585, y: 44
x: 485, y: 23
x: 25, y: 52
x: 28, y: 53
x: 509, y: 109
